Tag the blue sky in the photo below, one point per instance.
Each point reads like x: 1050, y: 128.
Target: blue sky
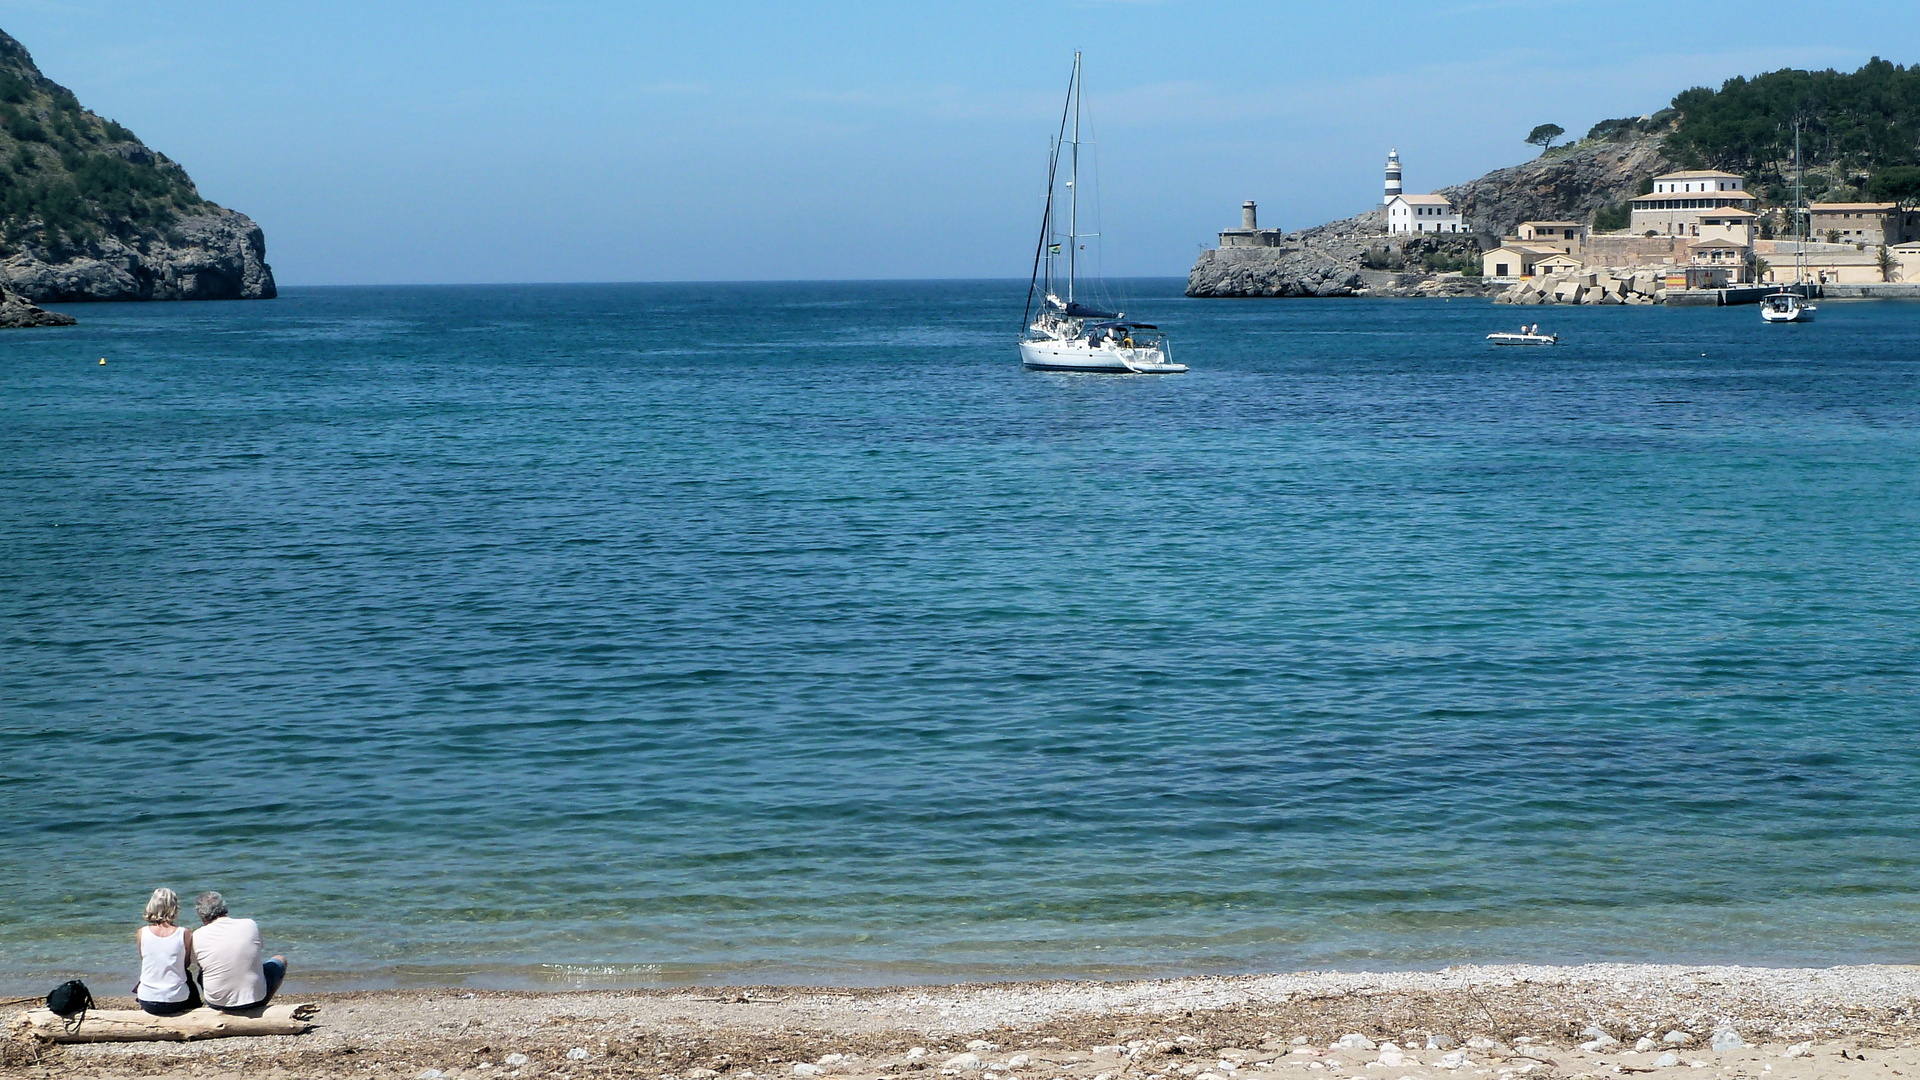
x: 495, y: 141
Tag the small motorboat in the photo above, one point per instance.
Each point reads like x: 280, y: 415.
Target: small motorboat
x: 1529, y: 336
x: 1786, y: 307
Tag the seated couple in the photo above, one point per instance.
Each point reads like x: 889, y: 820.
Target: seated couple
x: 233, y: 978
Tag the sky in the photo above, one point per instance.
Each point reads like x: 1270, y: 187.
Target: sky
x: 491, y: 141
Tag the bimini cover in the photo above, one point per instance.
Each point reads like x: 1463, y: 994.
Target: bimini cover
x: 1121, y: 326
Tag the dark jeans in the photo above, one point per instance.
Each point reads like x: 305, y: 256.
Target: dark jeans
x: 174, y: 1008
x: 276, y: 973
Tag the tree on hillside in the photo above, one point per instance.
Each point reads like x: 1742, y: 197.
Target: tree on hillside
x: 1544, y: 135
x: 1900, y: 183
x: 1856, y: 122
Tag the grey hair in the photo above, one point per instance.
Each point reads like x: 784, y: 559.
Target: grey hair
x: 209, y: 906
x: 163, y: 907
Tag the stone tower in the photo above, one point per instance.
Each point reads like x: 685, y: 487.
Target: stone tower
x: 1247, y: 218
x: 1393, y: 175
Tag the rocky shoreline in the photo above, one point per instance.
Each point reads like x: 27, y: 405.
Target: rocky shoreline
x: 217, y: 255
x: 1342, y: 258
x: 1581, y: 1023
x: 18, y: 311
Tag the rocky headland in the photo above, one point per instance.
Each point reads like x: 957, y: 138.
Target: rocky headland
x: 1355, y: 257
x: 89, y: 212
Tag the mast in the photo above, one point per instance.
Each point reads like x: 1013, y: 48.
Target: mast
x: 1073, y: 184
x: 1044, y: 247
x: 1799, y: 216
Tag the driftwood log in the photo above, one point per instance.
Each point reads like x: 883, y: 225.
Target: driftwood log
x: 133, y: 1025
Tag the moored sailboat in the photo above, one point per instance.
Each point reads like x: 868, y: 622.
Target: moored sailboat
x: 1790, y: 305
x: 1065, y: 334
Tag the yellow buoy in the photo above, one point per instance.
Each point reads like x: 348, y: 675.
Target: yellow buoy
x: 103, y: 359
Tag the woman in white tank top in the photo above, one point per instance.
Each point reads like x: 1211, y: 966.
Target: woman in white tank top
x: 165, y: 952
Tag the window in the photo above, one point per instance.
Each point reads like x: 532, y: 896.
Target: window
x: 1499, y: 269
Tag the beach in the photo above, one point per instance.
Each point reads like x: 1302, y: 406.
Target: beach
x: 1498, y: 1021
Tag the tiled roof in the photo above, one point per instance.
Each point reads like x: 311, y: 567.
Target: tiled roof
x: 1699, y: 174
x: 1851, y: 207
x: 1425, y: 200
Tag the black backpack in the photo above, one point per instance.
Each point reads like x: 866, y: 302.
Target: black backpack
x: 70, y: 999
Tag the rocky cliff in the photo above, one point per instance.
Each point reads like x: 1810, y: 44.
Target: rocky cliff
x: 89, y: 212
x: 1354, y: 257
x: 1570, y: 185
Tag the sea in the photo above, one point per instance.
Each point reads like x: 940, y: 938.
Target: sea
x: 656, y: 634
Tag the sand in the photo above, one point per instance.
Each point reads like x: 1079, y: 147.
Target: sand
x: 1463, y: 1022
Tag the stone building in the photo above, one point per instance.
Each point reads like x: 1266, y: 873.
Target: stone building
x: 1567, y: 236
x: 1512, y: 261
x: 1250, y: 234
x: 1679, y: 201
x: 1721, y: 254
x: 1857, y: 223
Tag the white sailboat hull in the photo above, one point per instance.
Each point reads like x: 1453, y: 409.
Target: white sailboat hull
x: 1077, y: 356
x: 1786, y: 308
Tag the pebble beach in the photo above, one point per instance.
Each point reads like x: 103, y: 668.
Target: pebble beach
x: 1493, y: 1021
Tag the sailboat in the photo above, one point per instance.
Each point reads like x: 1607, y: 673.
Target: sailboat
x: 1065, y: 334
x: 1791, y: 306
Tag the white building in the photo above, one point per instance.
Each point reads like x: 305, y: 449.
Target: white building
x: 1417, y: 213
x: 1680, y: 201
x: 1423, y: 213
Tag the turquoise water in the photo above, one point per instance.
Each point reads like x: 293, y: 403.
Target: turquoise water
x: 639, y: 634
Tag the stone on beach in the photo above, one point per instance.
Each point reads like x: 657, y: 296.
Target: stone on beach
x: 1726, y: 1038
x: 517, y: 1060
x: 969, y: 1061
x: 1353, y: 1040
x: 805, y: 1068
x: 1667, y: 1060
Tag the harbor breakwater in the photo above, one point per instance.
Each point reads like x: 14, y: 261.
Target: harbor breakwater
x: 1627, y: 285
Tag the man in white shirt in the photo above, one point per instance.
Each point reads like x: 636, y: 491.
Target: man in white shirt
x: 232, y: 976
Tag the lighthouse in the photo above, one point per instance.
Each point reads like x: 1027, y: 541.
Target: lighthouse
x: 1393, y: 175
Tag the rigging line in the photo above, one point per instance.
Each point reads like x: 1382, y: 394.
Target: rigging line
x: 1046, y: 220
x: 1108, y: 295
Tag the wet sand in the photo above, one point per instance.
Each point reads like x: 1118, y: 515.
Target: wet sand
x: 1498, y: 1022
